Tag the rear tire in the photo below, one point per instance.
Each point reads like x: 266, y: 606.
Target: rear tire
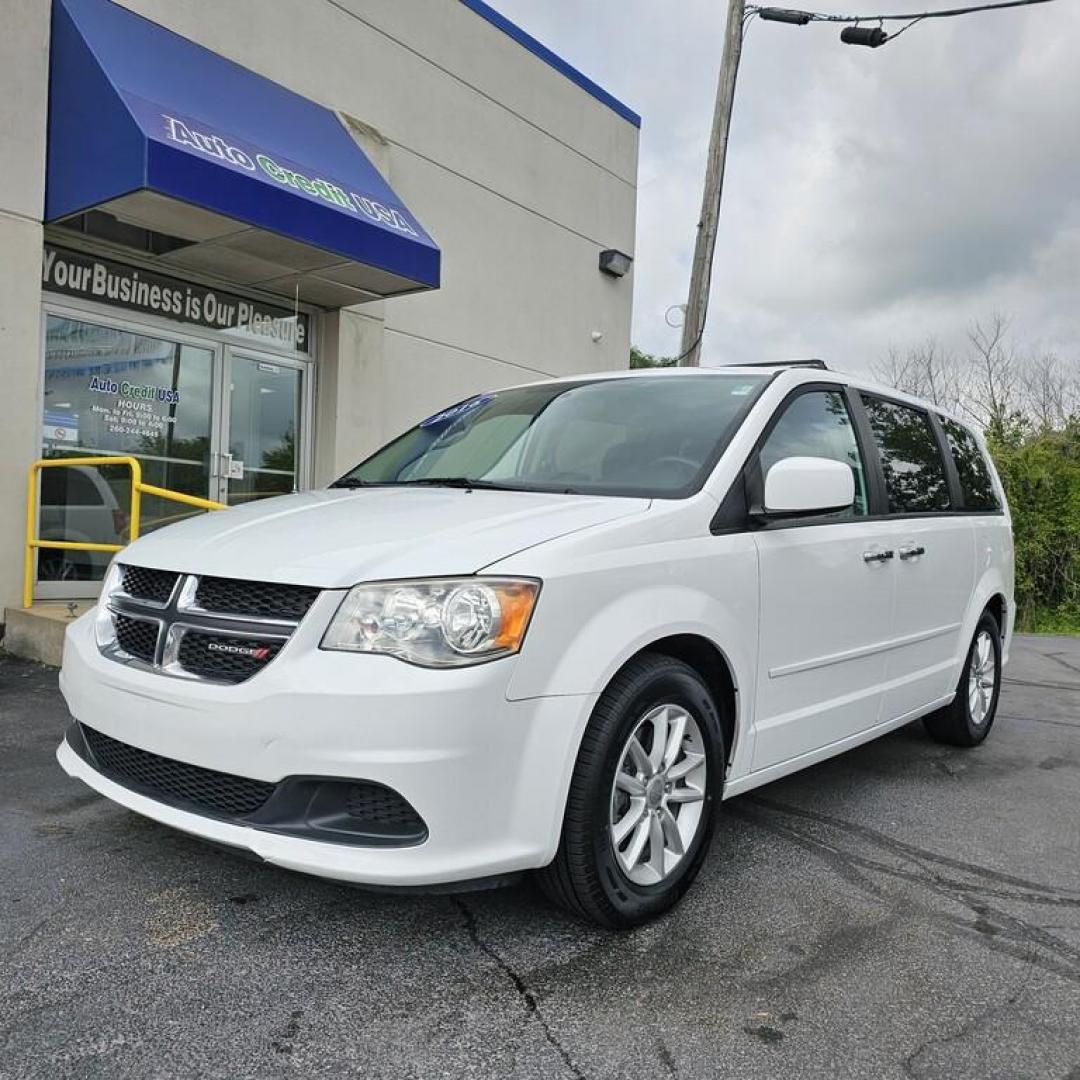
x: 968, y: 720
x: 639, y: 818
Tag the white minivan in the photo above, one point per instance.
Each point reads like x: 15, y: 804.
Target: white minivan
x: 551, y: 628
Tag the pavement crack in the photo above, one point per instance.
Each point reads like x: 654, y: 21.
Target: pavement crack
x: 35, y: 930
x: 967, y: 1028
x: 524, y: 991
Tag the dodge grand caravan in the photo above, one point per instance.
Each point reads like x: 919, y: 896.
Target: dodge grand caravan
x: 551, y: 628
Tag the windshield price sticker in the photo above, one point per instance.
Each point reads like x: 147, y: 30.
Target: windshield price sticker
x: 456, y: 411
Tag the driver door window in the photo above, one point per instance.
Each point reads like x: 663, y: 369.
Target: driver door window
x: 817, y: 424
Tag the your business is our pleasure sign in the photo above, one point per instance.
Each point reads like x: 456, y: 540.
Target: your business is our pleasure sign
x: 75, y: 273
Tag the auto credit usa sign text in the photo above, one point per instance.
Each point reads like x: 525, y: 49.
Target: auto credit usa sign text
x: 75, y: 273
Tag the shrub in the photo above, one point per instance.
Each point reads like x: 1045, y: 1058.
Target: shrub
x: 1041, y: 473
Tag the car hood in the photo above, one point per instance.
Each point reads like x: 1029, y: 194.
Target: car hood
x: 336, y: 538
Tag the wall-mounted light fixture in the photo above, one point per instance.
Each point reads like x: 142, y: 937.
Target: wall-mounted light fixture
x: 615, y: 263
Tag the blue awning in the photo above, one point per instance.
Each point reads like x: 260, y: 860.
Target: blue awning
x: 256, y: 183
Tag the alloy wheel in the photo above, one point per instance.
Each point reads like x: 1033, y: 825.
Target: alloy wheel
x: 981, y: 678
x: 658, y: 794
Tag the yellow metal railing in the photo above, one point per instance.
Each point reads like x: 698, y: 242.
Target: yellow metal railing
x: 138, y: 490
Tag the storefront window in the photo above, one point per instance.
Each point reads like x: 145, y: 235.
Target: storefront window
x: 111, y: 391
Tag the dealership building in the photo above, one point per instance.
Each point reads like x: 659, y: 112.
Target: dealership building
x: 247, y: 243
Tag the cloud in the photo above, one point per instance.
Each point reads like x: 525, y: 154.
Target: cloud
x: 872, y: 196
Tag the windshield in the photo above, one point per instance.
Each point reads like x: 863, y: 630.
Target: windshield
x: 646, y: 436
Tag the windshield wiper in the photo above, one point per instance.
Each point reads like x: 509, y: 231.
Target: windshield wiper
x: 352, y: 482
x: 465, y: 482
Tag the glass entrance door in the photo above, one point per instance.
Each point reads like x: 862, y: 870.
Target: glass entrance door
x: 263, y: 427
x: 202, y: 416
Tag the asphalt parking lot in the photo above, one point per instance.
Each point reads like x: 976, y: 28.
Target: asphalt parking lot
x: 906, y: 910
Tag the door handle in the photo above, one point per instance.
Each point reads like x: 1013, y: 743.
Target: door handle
x: 877, y: 556
x: 912, y: 552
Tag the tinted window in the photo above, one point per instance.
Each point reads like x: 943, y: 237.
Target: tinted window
x: 68, y: 487
x: 914, y: 472
x: 654, y: 436
x: 817, y: 424
x: 975, y: 484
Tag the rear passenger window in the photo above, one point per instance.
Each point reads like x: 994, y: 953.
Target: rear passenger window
x: 817, y: 424
x: 910, y: 459
x: 975, y: 484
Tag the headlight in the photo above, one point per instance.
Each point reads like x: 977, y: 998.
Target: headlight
x: 446, y: 622
x: 104, y: 625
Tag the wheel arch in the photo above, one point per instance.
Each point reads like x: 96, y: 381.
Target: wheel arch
x: 993, y: 595
x: 716, y: 668
x: 710, y: 662
x: 998, y: 606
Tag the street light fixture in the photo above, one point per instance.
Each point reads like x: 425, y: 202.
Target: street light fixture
x: 873, y: 37
x: 784, y: 15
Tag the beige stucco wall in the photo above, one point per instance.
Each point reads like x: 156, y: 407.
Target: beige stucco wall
x: 519, y: 174
x: 24, y: 71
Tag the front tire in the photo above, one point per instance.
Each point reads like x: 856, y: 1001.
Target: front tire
x: 639, y: 815
x: 968, y: 720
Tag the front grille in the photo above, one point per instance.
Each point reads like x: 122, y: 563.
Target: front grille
x: 137, y: 637
x: 145, y: 584
x: 373, y: 804
x: 175, y: 781
x: 257, y: 599
x: 220, y: 629
x: 209, y: 655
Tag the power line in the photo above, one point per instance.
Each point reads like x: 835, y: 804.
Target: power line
x: 778, y: 14
x: 677, y: 361
x: 905, y: 27
x: 875, y: 37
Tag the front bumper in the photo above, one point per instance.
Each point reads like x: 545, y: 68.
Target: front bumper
x: 488, y: 776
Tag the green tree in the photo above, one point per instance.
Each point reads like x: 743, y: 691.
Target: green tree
x: 1041, y: 473
x: 641, y: 359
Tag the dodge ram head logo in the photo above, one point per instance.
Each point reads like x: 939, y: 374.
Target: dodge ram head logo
x: 260, y: 652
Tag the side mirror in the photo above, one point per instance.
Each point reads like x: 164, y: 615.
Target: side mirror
x: 808, y: 485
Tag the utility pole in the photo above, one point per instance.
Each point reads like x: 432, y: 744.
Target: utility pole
x: 701, y: 272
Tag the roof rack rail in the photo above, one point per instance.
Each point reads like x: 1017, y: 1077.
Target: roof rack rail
x: 813, y: 363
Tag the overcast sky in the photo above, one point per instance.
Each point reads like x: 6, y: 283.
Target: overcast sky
x: 873, y: 197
